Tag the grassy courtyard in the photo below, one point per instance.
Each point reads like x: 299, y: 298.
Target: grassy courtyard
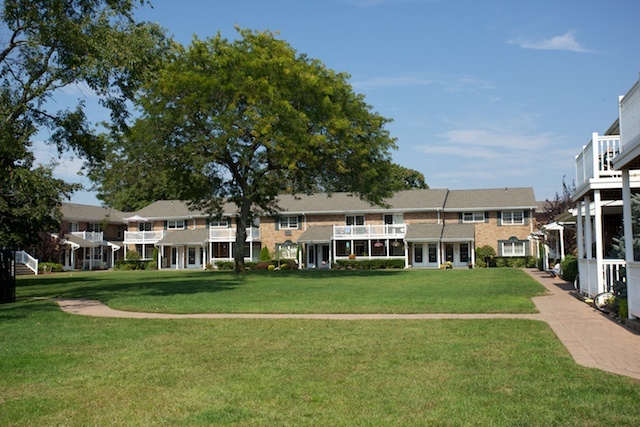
x: 61, y: 369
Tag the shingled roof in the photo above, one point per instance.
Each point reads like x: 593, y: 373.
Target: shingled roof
x: 401, y: 201
x: 492, y: 198
x: 77, y: 212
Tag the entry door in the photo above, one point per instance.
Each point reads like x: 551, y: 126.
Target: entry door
x: 312, y: 261
x: 450, y: 253
x: 418, y: 254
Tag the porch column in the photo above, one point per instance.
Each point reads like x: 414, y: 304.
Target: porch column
x: 562, y: 243
x: 580, y: 231
x: 626, y: 217
x: 160, y: 251
x: 588, y: 239
x: 597, y: 205
x: 406, y: 255
x: 472, y: 249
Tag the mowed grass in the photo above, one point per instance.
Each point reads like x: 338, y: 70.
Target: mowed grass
x: 60, y: 369
x: 425, y: 291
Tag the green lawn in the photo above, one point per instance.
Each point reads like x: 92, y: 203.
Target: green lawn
x: 431, y: 291
x: 61, y: 369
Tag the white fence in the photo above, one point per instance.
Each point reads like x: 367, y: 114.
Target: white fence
x: 594, y: 280
x: 91, y: 236
x: 142, y: 237
x: 229, y: 234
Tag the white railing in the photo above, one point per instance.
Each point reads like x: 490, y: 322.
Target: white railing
x: 382, y: 231
x: 229, y: 234
x: 633, y: 288
x: 23, y: 257
x: 595, y: 159
x: 131, y: 237
x: 592, y: 281
x: 630, y: 118
x: 91, y: 236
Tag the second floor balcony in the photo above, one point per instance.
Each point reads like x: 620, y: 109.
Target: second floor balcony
x: 229, y: 234
x: 91, y: 236
x: 595, y: 160
x: 379, y: 231
x: 142, y: 237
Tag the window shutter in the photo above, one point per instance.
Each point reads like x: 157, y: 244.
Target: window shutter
x: 300, y: 222
x: 277, y: 223
x: 499, y: 215
x: 526, y: 217
x: 500, y: 243
x: 460, y: 217
x: 486, y: 217
x: 165, y: 225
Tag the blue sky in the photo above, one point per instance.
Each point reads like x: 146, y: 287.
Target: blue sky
x: 483, y: 94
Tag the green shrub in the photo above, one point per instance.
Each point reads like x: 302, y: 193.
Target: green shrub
x: 271, y: 267
x: 133, y: 264
x: 370, y: 264
x: 50, y: 267
x: 264, y: 254
x: 569, y: 267
x: 484, y: 254
x: 133, y: 255
x: 225, y: 265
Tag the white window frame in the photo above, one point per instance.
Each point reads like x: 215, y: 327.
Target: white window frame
x: 512, y: 245
x: 509, y: 218
x: 287, y: 250
x: 351, y: 220
x: 289, y: 222
x: 222, y: 223
x: 473, y: 217
x: 177, y: 224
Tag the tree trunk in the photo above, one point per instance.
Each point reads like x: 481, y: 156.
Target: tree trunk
x: 241, y: 236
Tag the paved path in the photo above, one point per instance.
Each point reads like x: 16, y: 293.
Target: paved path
x: 592, y: 339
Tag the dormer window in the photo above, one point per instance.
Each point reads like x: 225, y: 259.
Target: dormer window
x: 175, y: 224
x: 473, y: 217
x: 513, y: 218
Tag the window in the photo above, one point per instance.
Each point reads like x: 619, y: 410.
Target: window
x: 220, y: 250
x: 219, y: 223
x: 144, y: 226
x: 175, y: 225
x: 393, y: 219
x: 287, y: 250
x: 396, y: 247
x: 343, y: 248
x: 433, y: 252
x: 192, y: 256
x: 354, y: 220
x: 473, y: 217
x: 93, y: 227
x: 289, y: 223
x: 513, y: 218
x: 360, y: 247
x: 514, y: 247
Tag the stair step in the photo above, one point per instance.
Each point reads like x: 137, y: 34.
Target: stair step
x: 23, y: 270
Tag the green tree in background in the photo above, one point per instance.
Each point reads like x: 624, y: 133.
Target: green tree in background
x: 46, y: 46
x: 246, y: 120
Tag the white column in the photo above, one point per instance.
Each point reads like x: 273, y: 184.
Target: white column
x: 597, y: 205
x: 588, y: 239
x: 406, y: 255
x: 580, y: 231
x: 626, y: 216
x: 562, y: 243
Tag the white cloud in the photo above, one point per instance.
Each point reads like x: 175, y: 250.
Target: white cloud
x: 449, y: 83
x: 566, y: 41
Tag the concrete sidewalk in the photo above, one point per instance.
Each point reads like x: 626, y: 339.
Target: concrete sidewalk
x: 592, y: 338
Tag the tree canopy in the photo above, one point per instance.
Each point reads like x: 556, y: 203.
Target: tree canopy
x: 46, y: 46
x: 244, y: 121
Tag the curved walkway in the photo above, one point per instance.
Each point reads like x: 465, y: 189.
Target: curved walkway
x: 592, y: 339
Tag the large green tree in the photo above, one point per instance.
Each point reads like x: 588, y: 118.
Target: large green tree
x: 243, y: 121
x: 46, y: 46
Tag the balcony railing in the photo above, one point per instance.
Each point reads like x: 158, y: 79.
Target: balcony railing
x: 382, y: 231
x: 229, y: 234
x: 596, y: 277
x: 91, y: 236
x: 595, y: 159
x: 142, y: 237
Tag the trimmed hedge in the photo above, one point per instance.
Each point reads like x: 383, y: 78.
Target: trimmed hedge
x: 229, y: 265
x: 370, y: 264
x: 134, y: 264
x: 569, y: 267
x: 50, y: 267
